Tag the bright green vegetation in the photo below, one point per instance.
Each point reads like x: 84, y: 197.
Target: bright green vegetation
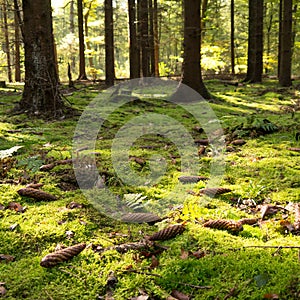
x: 262, y: 171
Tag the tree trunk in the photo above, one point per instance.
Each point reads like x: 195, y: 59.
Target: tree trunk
x: 255, y: 41
x: 72, y: 30
x: 82, y: 73
x: 286, y: 44
x: 86, y: 29
x: 279, y: 36
x: 134, y: 55
x: 109, y: 44
x: 156, y: 39
x: 269, y: 31
x: 232, y: 48
x: 17, y: 45
x: 7, y: 44
x: 151, y: 39
x: 192, y: 48
x: 203, y: 4
x: 258, y: 65
x: 41, y: 95
x: 144, y: 37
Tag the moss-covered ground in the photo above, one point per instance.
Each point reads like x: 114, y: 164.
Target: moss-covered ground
x: 262, y: 171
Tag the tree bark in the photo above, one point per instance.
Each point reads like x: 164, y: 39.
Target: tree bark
x: 41, y: 95
x: 144, y: 36
x: 82, y: 72
x: 72, y: 30
x: 7, y: 44
x: 286, y: 44
x: 232, y: 48
x: 156, y: 39
x: 109, y: 44
x: 192, y: 48
x: 134, y: 55
x: 17, y: 45
x: 151, y: 39
x: 86, y: 29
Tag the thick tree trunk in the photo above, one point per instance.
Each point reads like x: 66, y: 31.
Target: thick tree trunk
x: 134, y: 55
x: 286, y: 44
x: 82, y: 73
x: 7, y: 44
x: 109, y: 44
x: 192, y: 48
x: 17, y: 45
x: 232, y: 27
x: 41, y: 94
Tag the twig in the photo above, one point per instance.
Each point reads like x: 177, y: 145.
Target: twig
x: 274, y: 247
x: 49, y: 295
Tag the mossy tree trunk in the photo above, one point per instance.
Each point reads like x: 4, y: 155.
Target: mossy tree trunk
x: 41, y: 95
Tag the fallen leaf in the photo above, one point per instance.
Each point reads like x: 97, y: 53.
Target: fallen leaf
x: 154, y: 262
x: 73, y: 205
x: 6, y: 258
x: 2, y: 291
x: 199, y: 253
x: 180, y: 296
x: 271, y: 296
x: 288, y: 225
x: 268, y: 209
x: 16, y: 206
x: 184, y: 254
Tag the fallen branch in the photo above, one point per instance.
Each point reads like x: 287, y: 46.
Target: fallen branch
x: 274, y: 247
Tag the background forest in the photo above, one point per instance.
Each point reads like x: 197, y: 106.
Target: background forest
x: 217, y: 46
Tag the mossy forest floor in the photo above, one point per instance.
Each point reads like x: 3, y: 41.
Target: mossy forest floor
x: 263, y: 171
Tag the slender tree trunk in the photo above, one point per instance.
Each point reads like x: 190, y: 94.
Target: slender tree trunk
x: 269, y: 30
x: 203, y: 5
x: 151, y: 39
x: 192, y: 48
x: 86, y: 29
x: 72, y: 30
x: 258, y: 65
x: 134, y: 54
x: 109, y: 44
x: 41, y: 95
x: 144, y: 38
x: 7, y: 45
x: 156, y: 39
x: 17, y: 45
x: 232, y: 48
x: 82, y: 73
x: 286, y: 45
x: 279, y: 35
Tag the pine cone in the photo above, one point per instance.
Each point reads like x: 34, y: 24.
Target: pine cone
x: 55, y: 258
x: 36, y: 194
x: 191, y: 179
x: 140, y: 218
x: 211, y: 192
x: 167, y: 233
x: 229, y: 225
x: 297, y: 216
x: 238, y: 142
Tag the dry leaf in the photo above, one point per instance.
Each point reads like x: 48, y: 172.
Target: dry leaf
x: 16, y: 206
x: 268, y: 209
x: 154, y: 262
x: 3, y: 291
x: 199, y: 253
x: 6, y: 258
x: 73, y: 205
x: 184, y: 254
x: 271, y: 296
x: 180, y: 296
x: 288, y: 225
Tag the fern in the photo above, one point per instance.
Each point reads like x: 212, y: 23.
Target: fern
x: 136, y: 202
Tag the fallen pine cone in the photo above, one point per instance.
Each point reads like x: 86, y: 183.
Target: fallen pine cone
x: 167, y: 233
x: 52, y: 259
x: 191, y: 179
x: 49, y: 167
x: 239, y: 142
x: 34, y: 185
x: 203, y: 142
x: 36, y: 194
x: 211, y: 192
x: 141, y: 218
x: 229, y: 225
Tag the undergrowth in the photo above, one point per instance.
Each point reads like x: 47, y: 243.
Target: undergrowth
x: 262, y: 171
